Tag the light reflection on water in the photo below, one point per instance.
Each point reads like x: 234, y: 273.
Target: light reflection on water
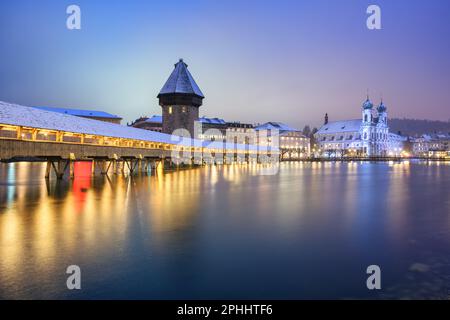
x: 226, y: 232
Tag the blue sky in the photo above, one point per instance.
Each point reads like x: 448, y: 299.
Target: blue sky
x: 255, y: 61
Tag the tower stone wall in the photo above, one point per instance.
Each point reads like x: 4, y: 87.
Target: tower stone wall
x: 180, y: 100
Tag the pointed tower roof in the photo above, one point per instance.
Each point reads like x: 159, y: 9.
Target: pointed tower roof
x: 181, y: 82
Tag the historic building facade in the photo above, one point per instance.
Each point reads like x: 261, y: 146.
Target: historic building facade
x: 292, y: 143
x: 432, y: 145
x: 215, y: 129
x: 368, y: 136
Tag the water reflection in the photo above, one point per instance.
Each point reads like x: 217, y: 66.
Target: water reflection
x: 225, y: 231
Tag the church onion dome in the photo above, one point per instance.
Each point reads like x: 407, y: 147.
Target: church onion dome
x: 367, y: 104
x: 381, y: 107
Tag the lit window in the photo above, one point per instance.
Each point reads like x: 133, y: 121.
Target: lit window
x: 170, y: 110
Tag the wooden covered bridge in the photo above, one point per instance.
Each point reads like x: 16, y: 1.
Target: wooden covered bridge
x: 28, y: 133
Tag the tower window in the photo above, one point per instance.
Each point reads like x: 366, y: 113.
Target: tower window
x: 183, y: 109
x: 170, y: 110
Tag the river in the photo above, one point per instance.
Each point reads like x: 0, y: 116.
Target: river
x: 228, y: 232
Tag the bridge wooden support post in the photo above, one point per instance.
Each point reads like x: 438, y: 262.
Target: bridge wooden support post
x: 59, y: 169
x: 122, y: 166
x: 125, y: 162
x: 131, y: 164
x: 114, y: 166
x: 93, y: 167
x: 154, y: 166
x: 104, y: 166
x: 48, y: 169
x: 161, y: 165
x: 62, y: 166
x: 71, y: 169
x: 139, y: 166
x: 147, y: 166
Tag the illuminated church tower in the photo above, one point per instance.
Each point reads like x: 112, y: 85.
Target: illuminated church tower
x: 180, y: 99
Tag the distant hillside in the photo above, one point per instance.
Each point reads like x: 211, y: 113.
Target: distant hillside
x: 414, y: 127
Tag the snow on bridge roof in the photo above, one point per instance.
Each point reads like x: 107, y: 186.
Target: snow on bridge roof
x: 18, y: 115
x: 80, y: 112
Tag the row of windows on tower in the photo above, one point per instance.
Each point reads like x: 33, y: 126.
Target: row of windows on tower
x: 183, y: 109
x: 368, y: 118
x: 379, y: 136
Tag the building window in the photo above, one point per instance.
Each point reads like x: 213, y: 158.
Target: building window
x: 170, y: 110
x: 183, y: 109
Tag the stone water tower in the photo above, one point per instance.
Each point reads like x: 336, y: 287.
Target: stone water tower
x: 180, y: 99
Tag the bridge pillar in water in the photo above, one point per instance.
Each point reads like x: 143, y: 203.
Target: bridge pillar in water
x: 114, y: 166
x: 93, y: 167
x: 161, y: 165
x: 139, y: 166
x: 71, y: 169
x: 59, y: 169
x: 48, y: 169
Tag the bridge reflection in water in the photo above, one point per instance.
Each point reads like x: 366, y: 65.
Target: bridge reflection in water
x: 227, y: 232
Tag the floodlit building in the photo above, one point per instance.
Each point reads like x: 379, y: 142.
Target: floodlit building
x: 89, y: 114
x: 215, y: 129
x: 292, y: 143
x: 367, y: 136
x: 210, y: 129
x: 432, y: 145
x: 396, y: 145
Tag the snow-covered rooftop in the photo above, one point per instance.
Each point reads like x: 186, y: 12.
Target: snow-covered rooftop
x: 18, y: 115
x: 275, y: 126
x: 341, y: 126
x: 81, y: 112
x: 212, y: 120
x: 154, y: 119
x: 181, y: 81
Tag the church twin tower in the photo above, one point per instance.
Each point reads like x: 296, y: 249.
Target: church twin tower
x: 180, y: 100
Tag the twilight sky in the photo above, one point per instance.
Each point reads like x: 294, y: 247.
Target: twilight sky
x: 255, y: 60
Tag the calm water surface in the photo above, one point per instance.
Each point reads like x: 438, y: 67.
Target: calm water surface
x: 309, y: 231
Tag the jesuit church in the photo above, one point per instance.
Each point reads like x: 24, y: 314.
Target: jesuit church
x: 368, y: 136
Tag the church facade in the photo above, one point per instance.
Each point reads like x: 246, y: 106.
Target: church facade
x: 368, y: 136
